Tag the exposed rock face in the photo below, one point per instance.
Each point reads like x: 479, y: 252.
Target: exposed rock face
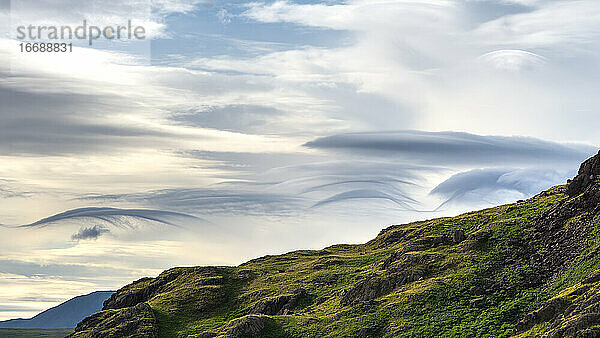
x: 393, y: 237
x: 135, y: 321
x: 281, y: 305
x: 428, y: 243
x: 377, y: 286
x: 583, y: 326
x: 246, y: 326
x: 564, y: 230
x: 122, y: 299
x: 249, y: 326
x: 588, y: 173
x: 574, y: 314
x: 549, y: 311
x: 127, y: 298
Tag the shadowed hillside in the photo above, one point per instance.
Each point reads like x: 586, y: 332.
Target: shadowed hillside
x: 527, y: 269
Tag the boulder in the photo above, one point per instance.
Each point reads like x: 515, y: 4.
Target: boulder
x: 248, y: 326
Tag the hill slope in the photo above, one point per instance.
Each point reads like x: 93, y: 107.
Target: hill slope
x: 531, y: 268
x: 65, y: 315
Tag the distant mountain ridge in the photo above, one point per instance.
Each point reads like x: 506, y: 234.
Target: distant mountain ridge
x: 65, y: 315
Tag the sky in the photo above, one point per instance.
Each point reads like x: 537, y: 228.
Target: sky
x: 238, y: 129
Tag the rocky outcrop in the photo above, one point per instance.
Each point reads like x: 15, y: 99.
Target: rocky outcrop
x: 572, y: 314
x: 549, y: 311
x: 588, y: 173
x: 281, y: 305
x: 243, y: 327
x: 563, y: 231
x: 141, y: 290
x: 136, y: 321
x: 458, y: 236
x: 377, y: 286
x: 427, y: 242
x: 400, y: 261
x: 583, y: 326
x: 248, y: 326
x: 122, y: 299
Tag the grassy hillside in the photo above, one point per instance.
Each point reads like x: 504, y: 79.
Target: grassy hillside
x: 526, y: 269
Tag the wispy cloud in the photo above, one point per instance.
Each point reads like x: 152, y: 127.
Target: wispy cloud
x: 203, y: 201
x: 86, y: 233
x: 538, y: 28
x: 149, y: 13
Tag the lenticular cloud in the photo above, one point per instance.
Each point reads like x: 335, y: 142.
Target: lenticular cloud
x: 113, y: 216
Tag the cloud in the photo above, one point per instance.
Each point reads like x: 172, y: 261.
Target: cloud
x: 51, y: 115
x: 513, y: 60
x: 55, y: 269
x: 235, y: 117
x: 493, y: 185
x: 462, y: 72
x: 224, y: 16
x: 12, y: 308
x: 11, y: 189
x: 320, y: 15
x: 148, y: 13
x: 79, y: 109
x: 44, y: 276
x: 205, y: 201
x: 114, y: 216
x: 529, y: 23
x: 86, y: 233
x: 346, y: 16
x: 402, y: 165
x: 444, y: 148
x: 404, y: 204
x: 240, y: 164
x: 276, y: 185
x: 578, y: 26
